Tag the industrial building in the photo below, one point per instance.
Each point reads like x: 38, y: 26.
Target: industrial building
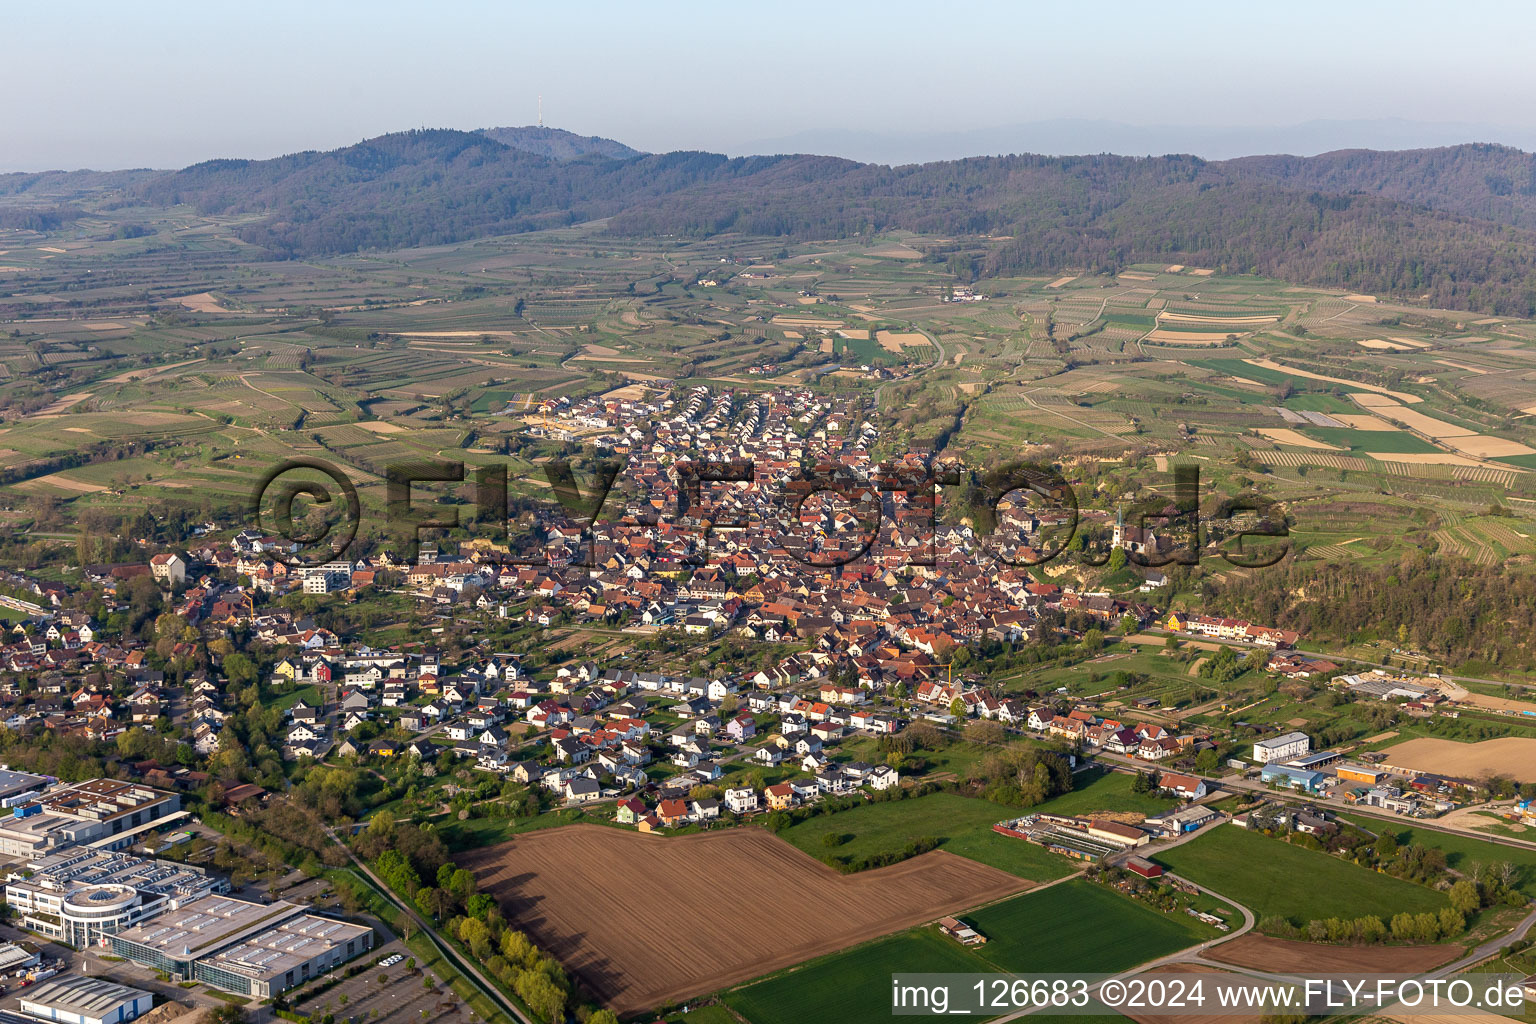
x: 75, y: 999
x: 13, y: 956
x: 1281, y: 748
x: 1296, y: 778
x: 1381, y: 686
x: 17, y: 787
x: 81, y: 896
x: 1313, y: 762
x: 1367, y: 774
x: 103, y: 813
x: 252, y: 949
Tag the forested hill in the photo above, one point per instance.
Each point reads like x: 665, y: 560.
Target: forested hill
x: 559, y: 144
x: 1089, y: 213
x: 1486, y: 181
x: 431, y: 187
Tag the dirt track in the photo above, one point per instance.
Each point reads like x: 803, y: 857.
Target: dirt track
x: 1263, y: 953
x: 645, y: 920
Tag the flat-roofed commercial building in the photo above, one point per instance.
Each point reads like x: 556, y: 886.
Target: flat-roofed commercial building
x: 1296, y: 778
x: 252, y: 949
x: 81, y: 896
x: 1369, y: 774
x: 75, y: 999
x: 1281, y: 748
x: 16, y: 787
x: 105, y: 813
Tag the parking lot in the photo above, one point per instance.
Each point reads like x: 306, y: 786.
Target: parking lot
x: 406, y: 994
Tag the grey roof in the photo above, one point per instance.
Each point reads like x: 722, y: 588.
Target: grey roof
x: 74, y: 993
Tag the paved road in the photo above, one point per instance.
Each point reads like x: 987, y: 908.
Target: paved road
x: 1190, y: 954
x: 1487, y: 949
x: 1336, y: 803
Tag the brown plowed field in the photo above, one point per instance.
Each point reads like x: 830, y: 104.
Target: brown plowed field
x: 1263, y: 953
x: 1194, y: 1018
x: 644, y: 920
x: 1514, y: 756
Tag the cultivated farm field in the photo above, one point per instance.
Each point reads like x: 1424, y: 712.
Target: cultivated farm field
x: 1266, y: 953
x: 730, y: 905
x: 1073, y: 926
x: 1512, y: 756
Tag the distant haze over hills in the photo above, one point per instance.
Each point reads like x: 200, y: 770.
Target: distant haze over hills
x: 1064, y: 136
x: 1452, y: 226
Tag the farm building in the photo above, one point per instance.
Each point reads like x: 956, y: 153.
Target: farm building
x: 1077, y: 838
x: 1115, y: 832
x: 1184, y: 819
x: 961, y: 932
x: 1281, y: 748
x: 75, y: 999
x: 1143, y: 867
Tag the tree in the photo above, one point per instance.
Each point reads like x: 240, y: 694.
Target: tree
x: 543, y: 996
x: 239, y: 670
x: 957, y: 708
x: 1464, y: 897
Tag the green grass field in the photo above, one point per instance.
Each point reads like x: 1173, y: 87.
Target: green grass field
x: 1274, y: 878
x: 1074, y: 926
x: 1010, y: 854
x: 1320, y: 403
x: 1395, y: 441
x: 962, y: 823
x: 1461, y: 852
x: 854, y: 986
x: 964, y: 826
x: 1105, y: 791
x: 1079, y: 926
x: 715, y: 1014
x: 879, y: 827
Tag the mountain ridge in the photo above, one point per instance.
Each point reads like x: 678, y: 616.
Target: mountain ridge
x: 1454, y: 226
x: 559, y: 144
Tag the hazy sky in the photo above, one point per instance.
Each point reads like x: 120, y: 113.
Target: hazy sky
x: 112, y: 84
